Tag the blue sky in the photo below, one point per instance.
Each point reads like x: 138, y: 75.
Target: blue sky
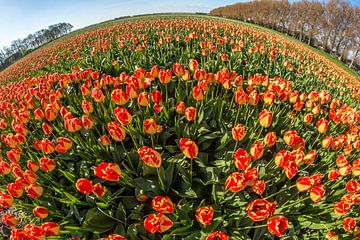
x: 19, y: 18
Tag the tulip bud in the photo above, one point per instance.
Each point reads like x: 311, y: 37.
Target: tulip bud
x: 116, y: 131
x: 47, y: 164
x: 9, y: 220
x: 34, y: 190
x: 143, y: 99
x: 242, y: 159
x: 40, y: 212
x: 119, y: 97
x: 317, y: 193
x: 32, y: 166
x: 104, y: 140
x: 265, y: 118
x: 122, y: 115
x: 150, y: 126
x: 257, y: 150
x: 238, y: 132
x: 34, y: 232
x: 190, y: 113
x: 189, y: 148
x: 150, y: 156
x: 270, y: 139
x: 180, y: 107
x: 51, y: 228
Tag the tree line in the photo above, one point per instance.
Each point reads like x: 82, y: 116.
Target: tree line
x: 333, y: 26
x: 21, y: 47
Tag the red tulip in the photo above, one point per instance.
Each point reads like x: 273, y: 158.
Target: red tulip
x: 270, y: 139
x: 97, y: 95
x: 259, y: 187
x: 242, y: 159
x: 9, y: 220
x: 180, y: 107
x: 108, y: 171
x: 304, y: 184
x: 217, y: 236
x: 162, y: 204
x: 165, y: 76
x: 6, y: 200
x: 38, y: 114
x: 47, y: 146
x: 190, y: 113
x: 104, y: 140
x: 15, y: 190
x: 143, y: 99
x: 87, y: 107
x: 51, y: 113
x: 150, y: 126
x: 87, y: 122
x: 349, y: 224
x: 47, y: 164
x: 123, y: 115
x: 189, y: 148
x: 119, y: 97
x: 116, y: 131
x: 238, y: 132
x: 277, y: 225
x: 40, y: 212
x: 204, y: 215
x: 198, y: 93
x: 150, y: 157
x: 308, y: 118
x: 265, y: 118
x: 261, y: 209
x: 34, y: 190
x: 73, y: 124
x: 5, y: 168
x: 193, y: 65
x: 51, y: 228
x: 235, y: 182
x: 317, y: 193
x: 64, y: 144
x: 322, y: 125
x: 84, y: 186
x: 131, y: 92
x: 257, y: 150
x: 14, y: 155
x: 157, y: 222
x: 30, y: 177
x: 156, y: 96
x: 179, y: 69
x: 98, y: 190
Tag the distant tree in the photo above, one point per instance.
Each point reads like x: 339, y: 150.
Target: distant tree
x: 20, y: 47
x: 333, y: 25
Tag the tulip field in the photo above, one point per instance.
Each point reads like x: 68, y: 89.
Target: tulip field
x: 179, y: 127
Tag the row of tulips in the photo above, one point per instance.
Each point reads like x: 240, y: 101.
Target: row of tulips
x: 178, y: 153
x: 216, y: 43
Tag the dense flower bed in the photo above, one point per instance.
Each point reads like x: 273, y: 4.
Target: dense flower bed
x: 181, y: 129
